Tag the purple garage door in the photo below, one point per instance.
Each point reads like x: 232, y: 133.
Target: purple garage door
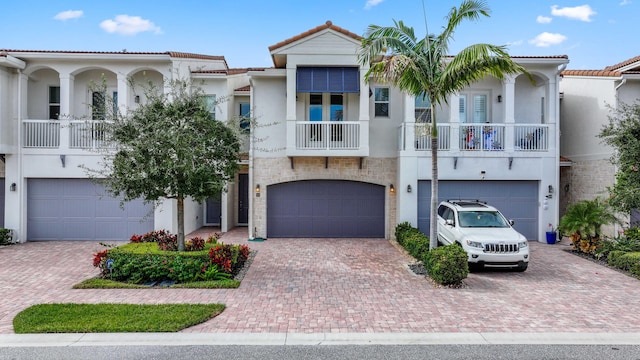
x: 517, y: 200
x: 325, y: 208
x: 78, y: 209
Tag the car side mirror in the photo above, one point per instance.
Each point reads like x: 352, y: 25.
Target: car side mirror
x: 449, y: 222
x: 511, y: 222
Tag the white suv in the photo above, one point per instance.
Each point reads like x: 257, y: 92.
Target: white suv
x: 483, y: 232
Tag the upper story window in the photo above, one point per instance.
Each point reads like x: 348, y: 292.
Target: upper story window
x: 54, y: 102
x: 245, y: 116
x: 211, y: 105
x: 381, y: 101
x: 99, y: 102
x: 326, y: 107
x: 475, y: 112
x: 423, y: 109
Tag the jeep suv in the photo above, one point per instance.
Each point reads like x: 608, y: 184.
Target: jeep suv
x: 483, y: 232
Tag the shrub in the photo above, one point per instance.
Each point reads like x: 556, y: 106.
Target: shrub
x: 412, y: 240
x: 447, y: 265
x: 169, y: 242
x: 6, y: 236
x: 417, y: 244
x: 229, y: 258
x: 628, y: 261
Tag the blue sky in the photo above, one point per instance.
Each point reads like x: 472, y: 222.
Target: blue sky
x: 593, y: 33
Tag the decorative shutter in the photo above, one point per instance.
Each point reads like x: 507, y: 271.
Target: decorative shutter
x: 480, y: 108
x: 462, y: 108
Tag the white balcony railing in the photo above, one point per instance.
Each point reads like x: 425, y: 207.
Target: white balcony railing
x: 41, y: 133
x: 89, y: 134
x: 477, y: 137
x: 47, y: 134
x: 327, y: 135
x: 423, y: 137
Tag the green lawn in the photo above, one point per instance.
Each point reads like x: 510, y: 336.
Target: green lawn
x: 103, y: 318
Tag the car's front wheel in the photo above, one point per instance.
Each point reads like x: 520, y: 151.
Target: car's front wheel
x: 522, y: 267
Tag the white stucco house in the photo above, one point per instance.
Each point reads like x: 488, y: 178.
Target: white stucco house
x: 332, y: 155
x: 587, y: 99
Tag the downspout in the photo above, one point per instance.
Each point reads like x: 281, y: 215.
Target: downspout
x: 556, y: 202
x: 615, y: 166
x: 252, y: 233
x: 22, y: 225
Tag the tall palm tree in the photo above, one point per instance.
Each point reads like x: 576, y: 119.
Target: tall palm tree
x: 421, y: 67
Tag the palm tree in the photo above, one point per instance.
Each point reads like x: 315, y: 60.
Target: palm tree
x: 421, y: 67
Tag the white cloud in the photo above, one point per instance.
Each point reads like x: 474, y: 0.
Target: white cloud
x: 546, y: 39
x: 515, y: 43
x: 69, y: 14
x: 543, y: 19
x: 625, y: 2
x: 372, y: 3
x: 129, y: 25
x: 582, y: 12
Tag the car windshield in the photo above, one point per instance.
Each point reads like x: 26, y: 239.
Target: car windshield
x: 482, y: 219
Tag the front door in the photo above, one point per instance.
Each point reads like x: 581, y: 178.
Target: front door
x: 243, y: 199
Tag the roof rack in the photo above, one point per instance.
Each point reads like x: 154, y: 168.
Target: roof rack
x: 455, y: 201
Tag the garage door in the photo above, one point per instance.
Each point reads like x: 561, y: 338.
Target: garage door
x: 78, y: 209
x: 325, y: 208
x: 517, y: 200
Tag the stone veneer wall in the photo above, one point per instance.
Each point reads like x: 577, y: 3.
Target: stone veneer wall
x: 590, y: 179
x: 268, y: 171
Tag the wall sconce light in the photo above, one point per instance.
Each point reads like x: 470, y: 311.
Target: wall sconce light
x: 550, y: 189
x: 258, y: 190
x: 63, y: 160
x: 409, y: 189
x: 499, y: 98
x: 12, y: 187
x: 455, y: 162
x: 482, y: 174
x: 510, y: 162
x: 136, y: 99
x: 392, y: 189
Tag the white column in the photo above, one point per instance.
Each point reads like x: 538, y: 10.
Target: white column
x: 66, y: 96
x: 454, y: 120
x: 291, y: 107
x: 509, y: 98
x: 123, y: 93
x: 66, y: 108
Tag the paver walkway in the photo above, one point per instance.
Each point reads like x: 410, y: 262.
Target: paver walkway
x: 348, y: 286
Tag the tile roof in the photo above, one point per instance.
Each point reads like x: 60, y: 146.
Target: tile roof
x: 244, y: 88
x: 173, y: 54
x: 623, y: 64
x: 603, y: 73
x: 232, y: 71
x: 327, y: 25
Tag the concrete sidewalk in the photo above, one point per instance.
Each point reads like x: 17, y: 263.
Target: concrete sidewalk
x: 349, y: 288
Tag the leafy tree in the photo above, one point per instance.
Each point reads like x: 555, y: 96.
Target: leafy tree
x: 421, y: 67
x: 623, y: 134
x: 168, y: 147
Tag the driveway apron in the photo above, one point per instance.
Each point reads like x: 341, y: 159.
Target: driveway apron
x: 347, y: 286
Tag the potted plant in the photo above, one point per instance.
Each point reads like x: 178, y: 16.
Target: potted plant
x: 552, y: 234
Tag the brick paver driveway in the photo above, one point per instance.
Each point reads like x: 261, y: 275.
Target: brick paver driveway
x: 348, y: 285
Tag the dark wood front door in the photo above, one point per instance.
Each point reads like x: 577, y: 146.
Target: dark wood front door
x: 243, y: 199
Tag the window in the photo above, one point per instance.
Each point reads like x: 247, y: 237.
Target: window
x: 211, y: 105
x: 479, y: 112
x: 54, y: 102
x: 326, y: 107
x: 381, y: 101
x: 423, y: 109
x: 245, y: 117
x: 99, y: 103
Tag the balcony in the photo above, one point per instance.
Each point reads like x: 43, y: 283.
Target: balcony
x: 328, y: 138
x: 66, y: 134
x: 477, y: 137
